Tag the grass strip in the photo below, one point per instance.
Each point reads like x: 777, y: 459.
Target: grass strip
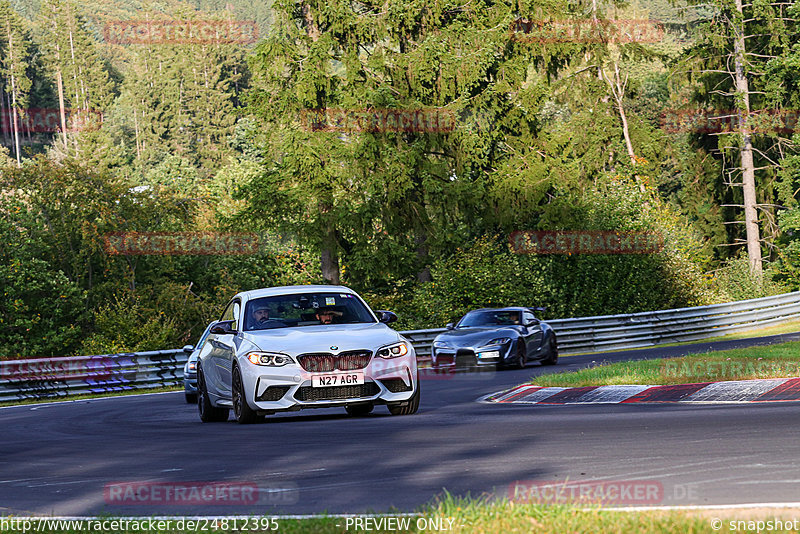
x: 771, y: 361
x: 468, y: 516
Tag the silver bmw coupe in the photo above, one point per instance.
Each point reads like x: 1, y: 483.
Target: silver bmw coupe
x: 294, y: 347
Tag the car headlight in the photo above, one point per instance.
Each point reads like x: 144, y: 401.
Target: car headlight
x: 395, y: 350
x: 192, y: 366
x: 441, y: 345
x: 271, y: 359
x: 499, y: 341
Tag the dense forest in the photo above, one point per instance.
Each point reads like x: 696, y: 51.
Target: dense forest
x: 651, y: 116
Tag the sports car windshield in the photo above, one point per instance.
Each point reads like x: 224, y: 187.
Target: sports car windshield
x: 305, y: 309
x: 489, y: 318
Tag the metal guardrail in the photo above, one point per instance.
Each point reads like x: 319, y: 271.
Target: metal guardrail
x: 646, y: 329
x: 59, y: 377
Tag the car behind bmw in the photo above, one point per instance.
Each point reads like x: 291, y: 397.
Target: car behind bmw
x: 497, y: 337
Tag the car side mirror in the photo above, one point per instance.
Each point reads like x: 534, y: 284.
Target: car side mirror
x: 386, y: 317
x: 223, y: 327
x: 188, y: 349
x: 450, y: 326
x: 532, y: 322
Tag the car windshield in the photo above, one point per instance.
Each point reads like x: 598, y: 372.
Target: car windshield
x: 305, y: 309
x: 489, y: 318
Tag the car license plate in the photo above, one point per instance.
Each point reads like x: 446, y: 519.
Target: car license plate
x: 337, y: 379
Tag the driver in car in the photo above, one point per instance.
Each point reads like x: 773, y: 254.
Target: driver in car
x: 327, y: 315
x: 261, y: 318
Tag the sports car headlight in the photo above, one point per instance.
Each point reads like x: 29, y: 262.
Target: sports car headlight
x: 441, y: 345
x: 499, y: 341
x: 271, y: 359
x: 395, y: 350
x: 192, y: 366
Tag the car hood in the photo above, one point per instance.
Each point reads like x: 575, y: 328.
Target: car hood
x: 475, y: 336
x: 323, y: 338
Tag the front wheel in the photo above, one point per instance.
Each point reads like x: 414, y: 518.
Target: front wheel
x: 552, y: 351
x: 208, y: 412
x: 241, y: 410
x: 411, y: 405
x: 522, y: 355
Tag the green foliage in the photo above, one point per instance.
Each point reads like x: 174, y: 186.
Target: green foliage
x: 56, y: 217
x: 537, y: 144
x: 736, y: 282
x: 124, y: 326
x: 42, y: 313
x: 788, y: 266
x: 489, y: 274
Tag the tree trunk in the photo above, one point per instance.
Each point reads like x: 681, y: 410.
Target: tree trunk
x: 5, y: 120
x: 15, y: 115
x: 748, y: 168
x: 14, y: 112
x: 329, y: 256
x: 62, y: 111
x: 330, y: 263
x: 424, y: 275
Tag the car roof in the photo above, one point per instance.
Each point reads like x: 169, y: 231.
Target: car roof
x: 289, y: 290
x: 509, y: 308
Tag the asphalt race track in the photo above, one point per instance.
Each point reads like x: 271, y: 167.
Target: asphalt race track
x: 57, y: 459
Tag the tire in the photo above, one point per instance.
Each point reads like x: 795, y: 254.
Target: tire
x: 208, y: 412
x: 552, y: 350
x: 359, y: 410
x: 411, y: 405
x: 191, y: 398
x: 241, y: 410
x: 522, y: 357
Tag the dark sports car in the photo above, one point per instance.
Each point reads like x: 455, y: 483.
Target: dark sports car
x: 506, y: 337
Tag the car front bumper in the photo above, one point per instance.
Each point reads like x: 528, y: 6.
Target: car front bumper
x: 290, y: 387
x: 471, y: 357
x: 190, y: 383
